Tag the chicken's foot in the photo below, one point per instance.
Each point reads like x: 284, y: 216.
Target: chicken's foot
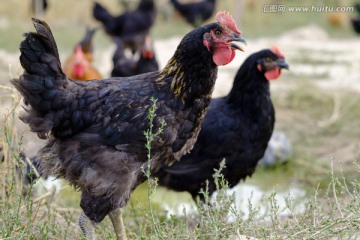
x: 118, y: 224
x: 87, y: 226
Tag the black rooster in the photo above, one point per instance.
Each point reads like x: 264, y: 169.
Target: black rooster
x: 132, y: 26
x: 96, y: 128
x: 195, y: 13
x: 125, y: 66
x: 236, y: 128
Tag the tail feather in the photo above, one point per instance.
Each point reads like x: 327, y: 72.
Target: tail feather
x: 44, y: 30
x: 39, y: 53
x: 43, y: 82
x: 101, y: 14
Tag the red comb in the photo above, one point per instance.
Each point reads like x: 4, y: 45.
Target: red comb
x: 225, y: 19
x: 277, y: 51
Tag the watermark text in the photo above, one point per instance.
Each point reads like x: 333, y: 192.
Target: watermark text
x: 278, y: 8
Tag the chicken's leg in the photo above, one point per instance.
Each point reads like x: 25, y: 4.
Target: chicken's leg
x: 118, y: 224
x: 87, y: 226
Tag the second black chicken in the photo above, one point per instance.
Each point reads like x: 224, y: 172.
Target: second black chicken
x: 236, y: 128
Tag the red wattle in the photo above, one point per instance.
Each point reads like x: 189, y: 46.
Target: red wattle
x: 273, y: 74
x: 223, y: 55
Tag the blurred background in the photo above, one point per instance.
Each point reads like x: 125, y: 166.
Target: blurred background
x: 316, y: 101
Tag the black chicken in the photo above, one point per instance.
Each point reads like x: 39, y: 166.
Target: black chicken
x: 96, y: 128
x: 125, y: 66
x: 356, y: 25
x: 236, y: 128
x: 195, y: 13
x: 147, y: 61
x: 132, y: 26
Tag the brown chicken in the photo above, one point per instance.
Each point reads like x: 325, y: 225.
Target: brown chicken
x: 335, y: 18
x: 79, y: 65
x: 95, y: 129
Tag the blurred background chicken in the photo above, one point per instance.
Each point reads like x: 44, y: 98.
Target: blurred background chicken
x: 356, y: 25
x: 355, y: 21
x: 125, y: 66
x: 336, y: 18
x: 79, y: 65
x: 131, y: 26
x: 195, y: 13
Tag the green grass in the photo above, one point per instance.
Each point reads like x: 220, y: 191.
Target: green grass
x: 332, y: 205
x: 331, y: 212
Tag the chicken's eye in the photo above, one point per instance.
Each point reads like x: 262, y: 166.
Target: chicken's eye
x: 267, y: 59
x: 217, y: 32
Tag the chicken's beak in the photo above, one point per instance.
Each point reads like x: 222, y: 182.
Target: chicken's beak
x: 281, y: 63
x: 237, y: 38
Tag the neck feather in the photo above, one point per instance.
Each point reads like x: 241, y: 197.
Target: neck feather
x: 190, y: 73
x: 248, y: 81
